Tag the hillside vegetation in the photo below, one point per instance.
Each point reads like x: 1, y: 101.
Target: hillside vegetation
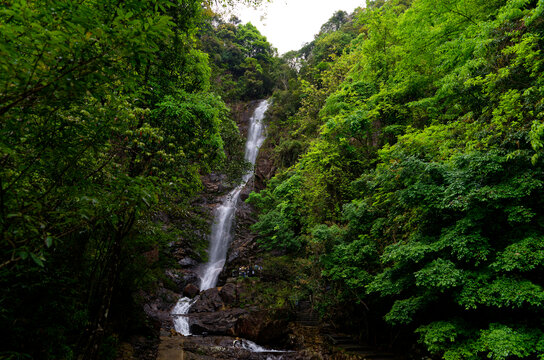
x: 409, y: 138
x: 110, y: 115
x: 407, y: 202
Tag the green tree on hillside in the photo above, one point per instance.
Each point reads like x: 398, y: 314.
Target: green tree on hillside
x: 418, y: 188
x: 107, y: 117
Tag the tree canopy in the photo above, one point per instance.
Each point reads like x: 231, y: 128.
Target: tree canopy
x: 107, y: 119
x: 411, y: 172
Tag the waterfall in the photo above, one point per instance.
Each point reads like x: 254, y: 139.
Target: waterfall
x: 181, y: 323
x: 224, y: 214
x: 223, y: 219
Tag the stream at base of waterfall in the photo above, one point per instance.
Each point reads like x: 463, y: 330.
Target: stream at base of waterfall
x: 221, y: 233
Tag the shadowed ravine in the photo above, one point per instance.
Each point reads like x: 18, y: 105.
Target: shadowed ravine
x: 223, y: 219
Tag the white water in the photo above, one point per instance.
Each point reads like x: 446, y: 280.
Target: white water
x: 224, y: 216
x: 253, y: 347
x: 181, y: 322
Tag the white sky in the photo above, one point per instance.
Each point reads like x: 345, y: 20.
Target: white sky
x: 288, y: 24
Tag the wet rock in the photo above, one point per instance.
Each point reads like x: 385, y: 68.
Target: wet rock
x: 191, y: 278
x: 176, y: 276
x: 191, y: 290
x: 209, y: 301
x: 214, y: 348
x: 187, y: 262
x: 264, y: 170
x: 216, y: 323
x: 157, y: 307
x: 182, y: 277
x: 233, y: 255
x: 214, y: 184
x: 228, y: 293
x: 261, y: 328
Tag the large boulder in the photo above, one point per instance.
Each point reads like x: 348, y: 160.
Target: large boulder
x: 157, y: 306
x: 228, y: 293
x: 260, y: 327
x: 209, y: 301
x: 216, y: 323
x: 191, y: 290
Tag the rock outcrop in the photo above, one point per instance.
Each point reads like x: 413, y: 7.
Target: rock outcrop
x: 209, y: 301
x: 215, y: 313
x: 215, y: 348
x: 191, y: 290
x: 229, y: 293
x: 217, y: 323
x: 260, y: 327
x: 218, y: 312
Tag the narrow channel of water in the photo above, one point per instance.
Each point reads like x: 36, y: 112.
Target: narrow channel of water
x: 224, y: 214
x: 181, y: 322
x: 223, y: 220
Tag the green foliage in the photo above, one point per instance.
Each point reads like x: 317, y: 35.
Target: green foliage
x: 280, y: 225
x: 418, y: 187
x: 242, y: 59
x: 107, y: 121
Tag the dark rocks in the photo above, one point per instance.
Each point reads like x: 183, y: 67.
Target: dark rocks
x: 191, y: 277
x: 176, y: 276
x: 215, y: 348
x: 233, y: 255
x: 264, y: 170
x: 216, y: 323
x: 157, y: 306
x: 191, y: 290
x: 187, y: 262
x: 214, y: 184
x: 261, y: 328
x: 209, y: 301
x: 228, y: 293
x: 182, y: 278
x: 213, y: 313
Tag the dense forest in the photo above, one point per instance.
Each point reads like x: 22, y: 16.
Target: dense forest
x: 407, y: 140
x: 110, y: 113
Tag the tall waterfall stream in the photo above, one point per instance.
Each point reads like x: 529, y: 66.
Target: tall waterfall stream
x: 223, y: 219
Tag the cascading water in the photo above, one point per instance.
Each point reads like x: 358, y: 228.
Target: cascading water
x: 181, y: 323
x: 224, y: 217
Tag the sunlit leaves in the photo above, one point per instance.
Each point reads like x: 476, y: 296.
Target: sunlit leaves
x: 505, y: 291
x: 403, y: 311
x: 434, y: 113
x: 524, y: 255
x: 439, y: 275
x: 501, y: 342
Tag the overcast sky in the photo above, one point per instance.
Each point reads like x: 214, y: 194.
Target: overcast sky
x: 288, y: 24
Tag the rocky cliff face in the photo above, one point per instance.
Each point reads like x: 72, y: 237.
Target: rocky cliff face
x: 218, y: 311
x: 264, y: 167
x: 188, y: 252
x: 215, y: 187
x: 232, y: 309
x: 243, y: 249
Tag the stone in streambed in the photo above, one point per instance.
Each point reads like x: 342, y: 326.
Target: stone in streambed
x: 209, y: 301
x: 258, y: 326
x: 228, y: 293
x: 191, y: 290
x: 216, y: 323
